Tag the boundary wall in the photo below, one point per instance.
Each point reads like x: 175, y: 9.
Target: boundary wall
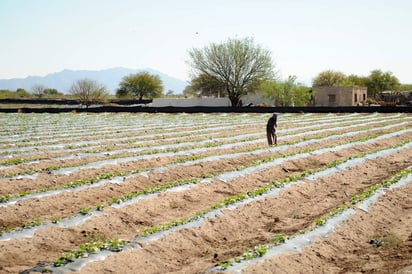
x: 136, y: 109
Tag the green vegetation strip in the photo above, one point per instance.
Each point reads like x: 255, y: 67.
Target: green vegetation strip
x: 73, y: 184
x: 278, y: 239
x: 114, y: 245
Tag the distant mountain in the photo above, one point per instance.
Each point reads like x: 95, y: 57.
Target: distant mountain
x: 63, y: 80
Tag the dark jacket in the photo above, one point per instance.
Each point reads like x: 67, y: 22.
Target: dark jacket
x: 272, y: 123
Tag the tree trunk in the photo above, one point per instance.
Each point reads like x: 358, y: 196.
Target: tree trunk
x: 234, y: 98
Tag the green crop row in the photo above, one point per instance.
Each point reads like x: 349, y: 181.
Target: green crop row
x: 73, y: 184
x: 261, y: 249
x: 114, y: 245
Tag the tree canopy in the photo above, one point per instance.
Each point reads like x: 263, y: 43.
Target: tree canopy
x: 21, y: 92
x: 329, y: 78
x: 237, y: 67
x: 380, y: 81
x: 205, y: 85
x: 140, y: 85
x: 377, y: 81
x: 287, y: 93
x: 52, y: 92
x: 88, y: 92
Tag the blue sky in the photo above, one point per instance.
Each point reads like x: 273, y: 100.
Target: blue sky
x: 305, y: 37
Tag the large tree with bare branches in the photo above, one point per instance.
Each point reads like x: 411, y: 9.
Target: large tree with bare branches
x: 237, y: 65
x: 38, y: 90
x: 88, y: 92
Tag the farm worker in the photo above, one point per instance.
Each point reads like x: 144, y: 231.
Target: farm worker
x: 271, y: 129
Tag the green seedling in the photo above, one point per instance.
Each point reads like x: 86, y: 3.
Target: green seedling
x: 278, y: 239
x: 320, y: 221
x: 224, y: 265
x: 56, y: 220
x: 85, y: 210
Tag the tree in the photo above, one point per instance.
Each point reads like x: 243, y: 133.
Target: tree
x: 5, y: 93
x: 379, y: 81
x: 376, y: 82
x: 354, y: 81
x: 405, y: 87
x: 238, y: 65
x: 189, y: 91
x: 140, y: 85
x: 88, y: 92
x: 52, y: 92
x: 329, y: 78
x: 21, y: 92
x: 287, y: 93
x: 206, y: 85
x: 38, y: 90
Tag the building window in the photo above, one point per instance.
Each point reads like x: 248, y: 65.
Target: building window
x: 332, y: 98
x: 356, y: 97
x: 364, y: 97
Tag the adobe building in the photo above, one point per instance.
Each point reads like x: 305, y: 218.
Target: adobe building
x: 339, y: 96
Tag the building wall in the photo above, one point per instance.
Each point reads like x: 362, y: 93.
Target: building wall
x: 253, y: 99
x: 256, y: 99
x: 339, y: 96
x: 360, y: 94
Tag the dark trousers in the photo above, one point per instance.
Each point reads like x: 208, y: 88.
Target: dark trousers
x: 272, y: 138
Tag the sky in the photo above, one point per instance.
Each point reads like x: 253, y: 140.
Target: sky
x: 38, y: 37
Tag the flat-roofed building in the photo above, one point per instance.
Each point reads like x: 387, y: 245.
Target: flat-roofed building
x: 339, y: 96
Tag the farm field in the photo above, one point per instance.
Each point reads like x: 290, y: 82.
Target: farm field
x: 204, y: 193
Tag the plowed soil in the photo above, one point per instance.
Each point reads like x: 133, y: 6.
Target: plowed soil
x: 376, y: 241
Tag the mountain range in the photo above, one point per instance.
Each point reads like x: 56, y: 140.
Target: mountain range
x: 111, y: 78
